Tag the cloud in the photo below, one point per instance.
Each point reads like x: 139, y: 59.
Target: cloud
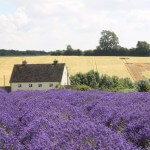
x: 14, y: 21
x: 49, y: 24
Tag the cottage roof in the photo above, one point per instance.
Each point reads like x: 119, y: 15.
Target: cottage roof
x: 37, y: 73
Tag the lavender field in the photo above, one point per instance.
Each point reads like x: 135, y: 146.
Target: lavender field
x: 74, y: 120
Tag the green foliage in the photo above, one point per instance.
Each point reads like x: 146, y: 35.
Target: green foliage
x: 143, y: 85
x: 108, y: 46
x: 69, y: 48
x: 90, y: 78
x: 60, y: 87
x: 82, y: 88
x: 114, y: 83
x: 4, y: 52
x: 103, y: 82
x: 143, y: 45
x: 78, y: 79
x: 128, y: 90
x: 127, y: 83
x: 108, y: 41
x: 93, y: 79
x: 143, y: 48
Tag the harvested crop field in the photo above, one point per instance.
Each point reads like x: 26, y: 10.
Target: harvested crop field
x: 139, y: 70
x: 118, y: 66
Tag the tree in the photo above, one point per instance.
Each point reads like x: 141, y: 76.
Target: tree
x: 143, y: 48
x: 68, y: 51
x: 90, y: 79
x: 69, y: 48
x: 93, y: 79
x: 143, y: 86
x: 143, y: 45
x: 105, y: 82
x: 108, y: 41
x: 78, y: 79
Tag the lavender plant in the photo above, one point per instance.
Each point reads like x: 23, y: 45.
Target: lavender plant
x: 74, y: 120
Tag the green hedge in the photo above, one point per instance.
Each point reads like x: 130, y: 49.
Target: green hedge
x: 82, y: 88
x: 103, y: 82
x: 143, y: 85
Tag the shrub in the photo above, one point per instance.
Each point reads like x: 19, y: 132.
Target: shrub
x: 90, y: 78
x: 127, y: 83
x: 60, y: 87
x: 78, y: 79
x: 116, y: 82
x: 82, y: 88
x: 143, y: 86
x: 93, y: 79
x: 103, y: 82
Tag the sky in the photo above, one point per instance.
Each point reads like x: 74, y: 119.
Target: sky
x: 53, y: 24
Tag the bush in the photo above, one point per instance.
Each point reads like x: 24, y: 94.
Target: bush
x: 103, y: 82
x: 82, y: 88
x: 90, y: 79
x: 143, y: 86
x: 93, y: 79
x: 78, y: 79
x: 114, y: 83
x: 60, y: 87
x: 127, y: 83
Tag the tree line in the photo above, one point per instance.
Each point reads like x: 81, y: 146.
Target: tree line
x: 4, y: 52
x: 108, y: 46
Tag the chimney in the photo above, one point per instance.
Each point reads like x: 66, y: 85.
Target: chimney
x: 55, y: 62
x: 24, y: 62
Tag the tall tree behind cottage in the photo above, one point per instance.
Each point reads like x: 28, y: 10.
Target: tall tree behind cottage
x: 108, y: 41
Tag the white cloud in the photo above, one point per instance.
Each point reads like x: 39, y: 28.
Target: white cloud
x: 49, y: 24
x: 14, y: 21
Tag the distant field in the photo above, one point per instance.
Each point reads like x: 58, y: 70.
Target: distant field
x: 135, y: 68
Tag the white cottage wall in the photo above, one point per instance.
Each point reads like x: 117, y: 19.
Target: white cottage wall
x: 35, y: 86
x: 65, y: 78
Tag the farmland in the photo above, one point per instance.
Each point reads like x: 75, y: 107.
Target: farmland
x: 74, y: 120
x: 135, y: 68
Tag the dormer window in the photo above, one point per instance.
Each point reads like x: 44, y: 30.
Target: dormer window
x: 30, y: 85
x: 39, y: 85
x: 19, y: 85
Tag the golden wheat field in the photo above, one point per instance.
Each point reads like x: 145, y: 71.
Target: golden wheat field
x: 135, y: 68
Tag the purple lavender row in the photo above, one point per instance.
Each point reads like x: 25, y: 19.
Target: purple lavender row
x: 74, y: 120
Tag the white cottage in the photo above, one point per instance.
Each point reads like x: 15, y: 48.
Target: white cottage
x: 39, y: 76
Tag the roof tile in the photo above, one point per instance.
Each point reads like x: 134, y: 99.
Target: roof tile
x: 37, y: 73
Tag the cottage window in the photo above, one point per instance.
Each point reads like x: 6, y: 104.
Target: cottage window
x: 19, y: 85
x: 39, y: 85
x: 51, y: 85
x: 30, y: 85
